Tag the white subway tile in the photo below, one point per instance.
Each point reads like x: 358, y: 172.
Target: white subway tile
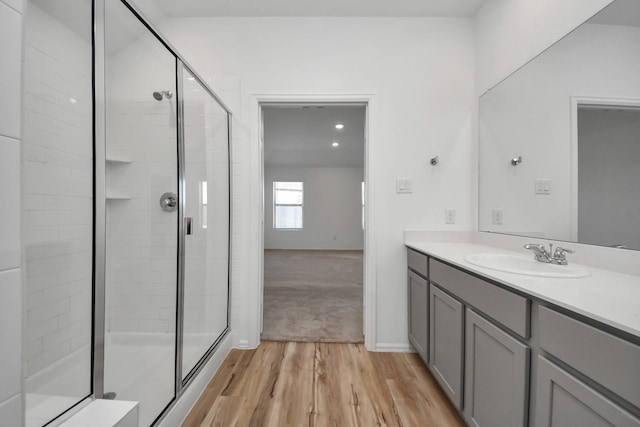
x: 10, y: 207
x: 50, y: 311
x: 10, y: 333
x: 10, y: 72
x: 48, y: 357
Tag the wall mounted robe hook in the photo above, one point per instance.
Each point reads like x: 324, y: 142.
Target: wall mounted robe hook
x: 516, y: 161
x: 434, y: 160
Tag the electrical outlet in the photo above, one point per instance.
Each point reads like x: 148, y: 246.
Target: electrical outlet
x: 449, y: 216
x: 496, y: 216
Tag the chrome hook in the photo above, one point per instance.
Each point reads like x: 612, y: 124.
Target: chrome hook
x: 434, y: 160
x: 516, y: 161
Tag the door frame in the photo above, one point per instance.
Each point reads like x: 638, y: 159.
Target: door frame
x: 576, y: 102
x: 257, y: 243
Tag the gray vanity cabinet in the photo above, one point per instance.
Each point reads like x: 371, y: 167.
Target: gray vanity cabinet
x: 507, y: 361
x: 446, y: 347
x: 418, y: 313
x: 418, y: 302
x: 496, y: 375
x: 563, y: 400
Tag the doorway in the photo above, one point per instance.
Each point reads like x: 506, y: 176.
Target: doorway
x: 313, y: 221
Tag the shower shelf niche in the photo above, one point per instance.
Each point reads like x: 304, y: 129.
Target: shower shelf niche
x: 114, y: 161
x: 116, y: 196
x: 117, y: 160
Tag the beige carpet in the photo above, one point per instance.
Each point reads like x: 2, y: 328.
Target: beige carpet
x: 312, y: 296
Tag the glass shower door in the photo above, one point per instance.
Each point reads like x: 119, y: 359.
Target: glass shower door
x: 206, y: 207
x: 141, y: 215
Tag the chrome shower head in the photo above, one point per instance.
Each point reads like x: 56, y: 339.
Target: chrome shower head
x: 159, y: 95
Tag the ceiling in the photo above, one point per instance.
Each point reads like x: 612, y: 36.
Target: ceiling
x: 378, y: 8
x: 302, y: 136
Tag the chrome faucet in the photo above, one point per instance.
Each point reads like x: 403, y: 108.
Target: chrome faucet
x: 558, y: 256
x: 540, y: 253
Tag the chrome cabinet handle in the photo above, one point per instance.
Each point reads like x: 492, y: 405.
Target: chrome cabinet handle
x: 187, y: 226
x: 169, y: 201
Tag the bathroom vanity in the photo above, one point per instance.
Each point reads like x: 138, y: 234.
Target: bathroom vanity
x: 525, y: 350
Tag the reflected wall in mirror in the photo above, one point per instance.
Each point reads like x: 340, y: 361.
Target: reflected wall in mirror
x: 572, y: 115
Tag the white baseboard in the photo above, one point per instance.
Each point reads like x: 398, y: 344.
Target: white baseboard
x: 183, y: 406
x: 394, y: 347
x: 244, y: 345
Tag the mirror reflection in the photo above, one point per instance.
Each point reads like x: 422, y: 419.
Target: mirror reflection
x: 559, y: 150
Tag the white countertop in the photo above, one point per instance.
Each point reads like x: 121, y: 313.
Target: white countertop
x: 606, y: 296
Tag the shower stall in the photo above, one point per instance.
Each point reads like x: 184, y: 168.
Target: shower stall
x: 126, y: 207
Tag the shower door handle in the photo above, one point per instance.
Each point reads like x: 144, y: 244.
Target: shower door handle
x: 187, y: 226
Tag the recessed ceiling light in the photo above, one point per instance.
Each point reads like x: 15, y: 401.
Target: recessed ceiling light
x: 335, y: 143
x: 339, y: 126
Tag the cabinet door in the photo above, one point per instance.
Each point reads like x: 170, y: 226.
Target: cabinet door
x: 563, y: 400
x: 496, y: 375
x: 418, y: 313
x: 446, y: 332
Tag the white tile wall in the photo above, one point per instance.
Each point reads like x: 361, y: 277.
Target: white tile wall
x: 57, y: 177
x: 10, y: 334
x: 11, y: 413
x: 10, y: 206
x: 10, y: 70
x: 141, y: 238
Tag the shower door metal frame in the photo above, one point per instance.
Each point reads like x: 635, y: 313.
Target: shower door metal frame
x: 99, y: 268
x: 180, y: 381
x: 100, y: 198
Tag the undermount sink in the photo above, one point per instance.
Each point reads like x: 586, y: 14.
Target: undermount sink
x: 525, y: 265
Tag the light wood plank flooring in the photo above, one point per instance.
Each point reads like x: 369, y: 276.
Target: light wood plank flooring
x: 322, y: 384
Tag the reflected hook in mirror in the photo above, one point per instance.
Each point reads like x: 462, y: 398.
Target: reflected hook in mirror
x: 434, y: 160
x: 516, y: 161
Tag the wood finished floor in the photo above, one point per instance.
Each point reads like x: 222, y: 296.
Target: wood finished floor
x: 322, y: 384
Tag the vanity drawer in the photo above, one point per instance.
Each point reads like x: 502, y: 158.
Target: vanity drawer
x: 507, y: 308
x: 417, y: 262
x: 608, y: 360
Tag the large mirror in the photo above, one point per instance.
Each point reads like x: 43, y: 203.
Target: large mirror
x: 559, y: 153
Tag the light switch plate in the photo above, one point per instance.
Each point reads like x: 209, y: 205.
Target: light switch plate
x: 543, y: 186
x: 404, y: 185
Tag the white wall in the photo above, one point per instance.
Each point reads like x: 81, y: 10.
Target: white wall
x: 10, y: 244
x: 420, y: 72
x: 530, y: 115
x: 332, y: 212
x: 509, y: 33
x: 609, y: 194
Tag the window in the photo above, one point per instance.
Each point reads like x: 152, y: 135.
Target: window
x: 203, y: 203
x: 362, y: 199
x: 287, y: 205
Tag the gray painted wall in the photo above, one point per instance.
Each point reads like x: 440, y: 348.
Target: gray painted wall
x: 609, y: 177
x: 332, y: 212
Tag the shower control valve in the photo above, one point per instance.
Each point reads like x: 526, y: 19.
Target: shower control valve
x: 169, y: 201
